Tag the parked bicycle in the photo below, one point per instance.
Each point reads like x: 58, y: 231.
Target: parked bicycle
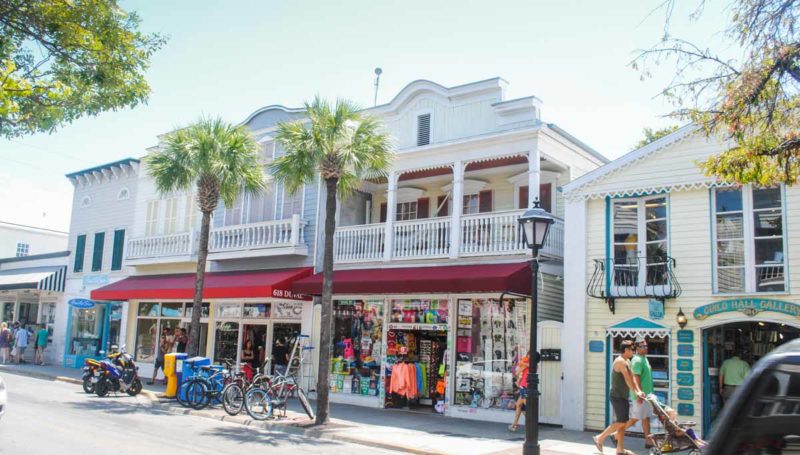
x: 205, y: 386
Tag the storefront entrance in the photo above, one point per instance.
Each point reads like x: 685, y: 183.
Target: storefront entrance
x: 750, y: 340
x: 92, y: 329
x: 415, y: 357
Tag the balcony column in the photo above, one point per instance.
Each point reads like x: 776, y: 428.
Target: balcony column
x: 456, y: 203
x: 391, y: 207
x: 534, y: 173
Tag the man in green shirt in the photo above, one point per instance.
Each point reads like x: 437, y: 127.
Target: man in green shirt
x: 643, y: 377
x: 731, y: 376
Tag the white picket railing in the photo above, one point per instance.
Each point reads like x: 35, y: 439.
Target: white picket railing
x: 426, y: 238
x: 161, y: 245
x: 482, y: 234
x: 267, y: 234
x: 359, y: 243
x: 491, y: 233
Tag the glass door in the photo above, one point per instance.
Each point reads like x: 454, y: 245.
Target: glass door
x: 640, y: 247
x: 254, y: 345
x: 284, y: 335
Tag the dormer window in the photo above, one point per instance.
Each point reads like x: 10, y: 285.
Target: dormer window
x: 423, y: 129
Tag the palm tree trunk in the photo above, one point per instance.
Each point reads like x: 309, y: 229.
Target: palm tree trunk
x: 325, y: 340
x: 197, y: 306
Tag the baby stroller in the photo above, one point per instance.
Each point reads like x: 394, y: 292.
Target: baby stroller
x: 678, y: 436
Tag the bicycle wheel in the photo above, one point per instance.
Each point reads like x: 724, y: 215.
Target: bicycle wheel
x: 180, y: 396
x: 233, y: 398
x: 306, y: 405
x: 197, y: 394
x: 258, y: 404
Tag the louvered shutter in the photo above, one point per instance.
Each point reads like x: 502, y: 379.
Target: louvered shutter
x: 97, y: 253
x: 485, y: 201
x: 545, y: 196
x: 119, y: 245
x: 423, y: 208
x: 423, y: 129
x: 80, y: 251
x: 523, y: 197
x: 383, y: 213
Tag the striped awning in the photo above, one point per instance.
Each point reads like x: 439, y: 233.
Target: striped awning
x: 42, y: 278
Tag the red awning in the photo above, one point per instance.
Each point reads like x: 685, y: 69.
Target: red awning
x: 413, y: 280
x: 220, y: 285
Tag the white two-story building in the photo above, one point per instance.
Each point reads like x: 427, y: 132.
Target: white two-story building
x: 423, y: 256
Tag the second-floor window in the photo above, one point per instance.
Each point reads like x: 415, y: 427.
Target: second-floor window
x: 23, y: 249
x: 748, y: 240
x: 171, y: 216
x: 151, y: 220
x: 406, y: 211
x: 640, y: 243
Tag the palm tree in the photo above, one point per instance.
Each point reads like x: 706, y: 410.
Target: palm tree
x: 343, y: 146
x: 221, y: 160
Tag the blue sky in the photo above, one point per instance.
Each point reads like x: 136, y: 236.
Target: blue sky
x: 230, y: 58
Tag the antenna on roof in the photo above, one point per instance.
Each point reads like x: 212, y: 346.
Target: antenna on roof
x: 378, y: 73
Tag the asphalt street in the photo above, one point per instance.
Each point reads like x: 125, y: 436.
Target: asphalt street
x: 46, y: 417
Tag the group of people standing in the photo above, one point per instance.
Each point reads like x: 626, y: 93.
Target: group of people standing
x: 15, y: 339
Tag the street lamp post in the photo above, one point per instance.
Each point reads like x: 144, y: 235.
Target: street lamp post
x: 535, y: 224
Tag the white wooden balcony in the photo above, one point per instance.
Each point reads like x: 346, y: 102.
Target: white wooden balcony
x: 161, y: 249
x: 482, y: 234
x: 267, y: 238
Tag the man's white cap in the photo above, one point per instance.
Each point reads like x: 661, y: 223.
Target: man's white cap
x: 640, y: 339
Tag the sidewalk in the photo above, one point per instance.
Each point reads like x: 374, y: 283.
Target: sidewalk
x: 407, y: 431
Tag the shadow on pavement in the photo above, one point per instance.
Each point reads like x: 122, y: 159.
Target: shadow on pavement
x: 114, y: 405
x: 239, y: 435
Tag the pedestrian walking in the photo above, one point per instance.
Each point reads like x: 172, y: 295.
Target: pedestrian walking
x: 643, y: 377
x: 5, y: 342
x: 41, y: 344
x: 622, y: 384
x: 522, y: 382
x: 164, y: 346
x: 21, y: 337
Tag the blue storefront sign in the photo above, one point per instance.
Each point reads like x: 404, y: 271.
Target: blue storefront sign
x: 685, y: 365
x: 685, y: 409
x: 656, y: 308
x: 685, y: 350
x: 748, y: 306
x: 685, y: 336
x: 595, y: 346
x: 685, y: 393
x: 685, y: 379
x: 81, y: 303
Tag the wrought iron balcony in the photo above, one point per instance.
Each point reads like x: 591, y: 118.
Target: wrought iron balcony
x: 633, y: 278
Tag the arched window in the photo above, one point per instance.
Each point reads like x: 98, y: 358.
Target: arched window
x: 86, y: 202
x: 123, y: 194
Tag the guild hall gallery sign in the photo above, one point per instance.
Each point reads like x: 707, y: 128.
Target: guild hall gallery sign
x: 749, y: 306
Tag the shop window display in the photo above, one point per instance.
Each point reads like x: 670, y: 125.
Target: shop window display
x: 226, y: 341
x: 357, y: 350
x: 490, y: 340
x: 86, y: 331
x: 416, y: 354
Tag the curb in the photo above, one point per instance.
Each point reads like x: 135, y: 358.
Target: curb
x: 47, y: 377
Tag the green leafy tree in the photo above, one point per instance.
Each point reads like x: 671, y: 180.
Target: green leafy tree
x: 752, y: 100
x: 651, y: 135
x: 344, y: 147
x: 220, y: 160
x: 62, y: 59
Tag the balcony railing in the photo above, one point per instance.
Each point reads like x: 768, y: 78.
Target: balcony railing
x: 267, y: 234
x: 255, y: 236
x: 359, y: 243
x: 421, y: 239
x: 483, y: 234
x: 633, y: 278
x: 161, y: 246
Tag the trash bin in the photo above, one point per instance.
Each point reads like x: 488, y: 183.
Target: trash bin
x: 173, y: 368
x: 189, y: 369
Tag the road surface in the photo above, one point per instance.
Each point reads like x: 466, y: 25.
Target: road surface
x: 47, y: 417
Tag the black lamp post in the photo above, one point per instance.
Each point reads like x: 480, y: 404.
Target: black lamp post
x: 535, y: 224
